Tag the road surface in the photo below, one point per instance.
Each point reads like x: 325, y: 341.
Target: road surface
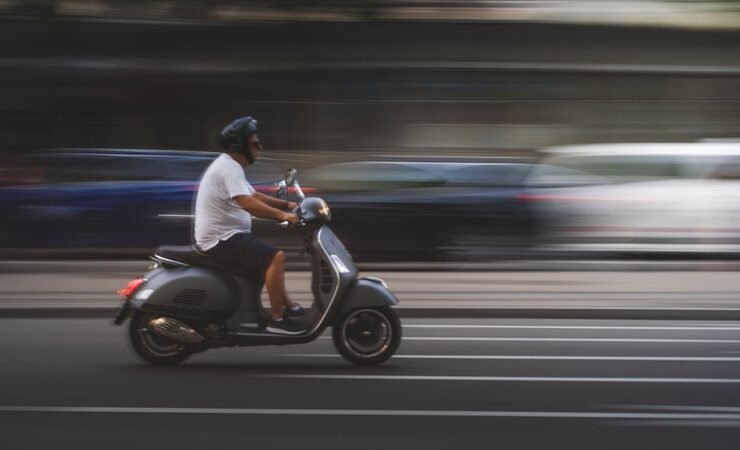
x: 455, y: 384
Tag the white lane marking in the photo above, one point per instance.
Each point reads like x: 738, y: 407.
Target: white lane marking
x: 682, y: 341
x: 539, y: 357
x: 576, y: 327
x: 684, y: 408
x: 116, y: 63
x: 370, y: 412
x: 509, y: 339
x: 509, y: 379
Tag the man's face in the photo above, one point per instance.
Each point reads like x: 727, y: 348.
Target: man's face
x: 254, y: 146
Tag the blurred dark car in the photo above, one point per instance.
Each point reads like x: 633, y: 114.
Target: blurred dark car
x: 428, y: 210
x: 106, y: 198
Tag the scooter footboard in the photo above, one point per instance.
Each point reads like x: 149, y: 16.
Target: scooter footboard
x: 366, y: 293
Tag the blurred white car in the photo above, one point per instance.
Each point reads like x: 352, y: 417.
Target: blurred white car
x: 679, y: 198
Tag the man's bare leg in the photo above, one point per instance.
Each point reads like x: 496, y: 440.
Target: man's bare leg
x: 275, y: 284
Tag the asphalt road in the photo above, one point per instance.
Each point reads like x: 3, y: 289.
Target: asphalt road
x: 455, y: 384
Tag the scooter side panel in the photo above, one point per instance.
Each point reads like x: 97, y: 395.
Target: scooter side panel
x: 364, y: 293
x: 193, y: 291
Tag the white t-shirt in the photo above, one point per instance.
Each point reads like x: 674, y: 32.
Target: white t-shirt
x: 217, y: 215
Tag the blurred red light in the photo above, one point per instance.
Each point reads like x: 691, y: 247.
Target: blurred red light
x: 131, y: 287
x: 271, y: 190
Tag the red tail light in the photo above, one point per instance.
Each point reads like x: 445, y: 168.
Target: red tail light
x: 131, y: 287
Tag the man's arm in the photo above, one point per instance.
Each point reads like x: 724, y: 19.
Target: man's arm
x: 253, y: 205
x: 272, y: 201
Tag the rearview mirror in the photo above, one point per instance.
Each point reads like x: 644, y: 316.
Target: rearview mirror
x: 281, y: 189
x: 290, y: 176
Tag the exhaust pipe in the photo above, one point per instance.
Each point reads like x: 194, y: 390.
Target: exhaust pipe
x: 174, y: 330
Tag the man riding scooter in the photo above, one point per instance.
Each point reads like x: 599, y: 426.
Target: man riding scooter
x: 224, y: 205
x: 196, y: 298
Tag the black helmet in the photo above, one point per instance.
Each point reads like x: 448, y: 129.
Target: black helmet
x: 235, y: 134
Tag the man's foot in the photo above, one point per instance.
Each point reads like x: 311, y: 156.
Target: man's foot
x: 285, y: 327
x: 294, y: 311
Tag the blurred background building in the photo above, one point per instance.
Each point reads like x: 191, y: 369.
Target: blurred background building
x: 478, y: 76
x: 334, y: 81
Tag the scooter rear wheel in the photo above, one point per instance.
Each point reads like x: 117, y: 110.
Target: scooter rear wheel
x: 368, y: 336
x: 150, y: 347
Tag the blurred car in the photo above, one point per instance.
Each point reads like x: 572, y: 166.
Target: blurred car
x: 107, y: 198
x: 427, y: 210
x: 639, y: 198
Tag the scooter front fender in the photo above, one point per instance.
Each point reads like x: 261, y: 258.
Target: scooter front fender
x: 366, y: 293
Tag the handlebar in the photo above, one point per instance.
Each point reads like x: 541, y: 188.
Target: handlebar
x: 286, y: 224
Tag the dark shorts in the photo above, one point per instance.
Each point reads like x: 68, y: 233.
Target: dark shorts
x: 245, y: 253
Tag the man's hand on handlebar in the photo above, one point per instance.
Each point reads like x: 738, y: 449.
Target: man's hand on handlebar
x: 291, y: 206
x: 291, y: 218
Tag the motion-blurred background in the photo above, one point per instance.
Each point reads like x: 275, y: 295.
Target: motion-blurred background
x: 437, y: 130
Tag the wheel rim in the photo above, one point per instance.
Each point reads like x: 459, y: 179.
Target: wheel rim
x: 367, y: 333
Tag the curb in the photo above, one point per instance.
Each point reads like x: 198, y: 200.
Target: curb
x: 438, y: 313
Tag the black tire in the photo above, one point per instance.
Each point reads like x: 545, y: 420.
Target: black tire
x: 367, y: 336
x: 154, y: 349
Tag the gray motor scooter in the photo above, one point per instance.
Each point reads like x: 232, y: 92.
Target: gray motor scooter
x: 188, y: 302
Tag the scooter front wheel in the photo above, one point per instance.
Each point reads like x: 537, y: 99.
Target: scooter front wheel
x: 368, y: 336
x: 150, y: 347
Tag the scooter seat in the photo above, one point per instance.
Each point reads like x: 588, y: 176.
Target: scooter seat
x: 187, y: 254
